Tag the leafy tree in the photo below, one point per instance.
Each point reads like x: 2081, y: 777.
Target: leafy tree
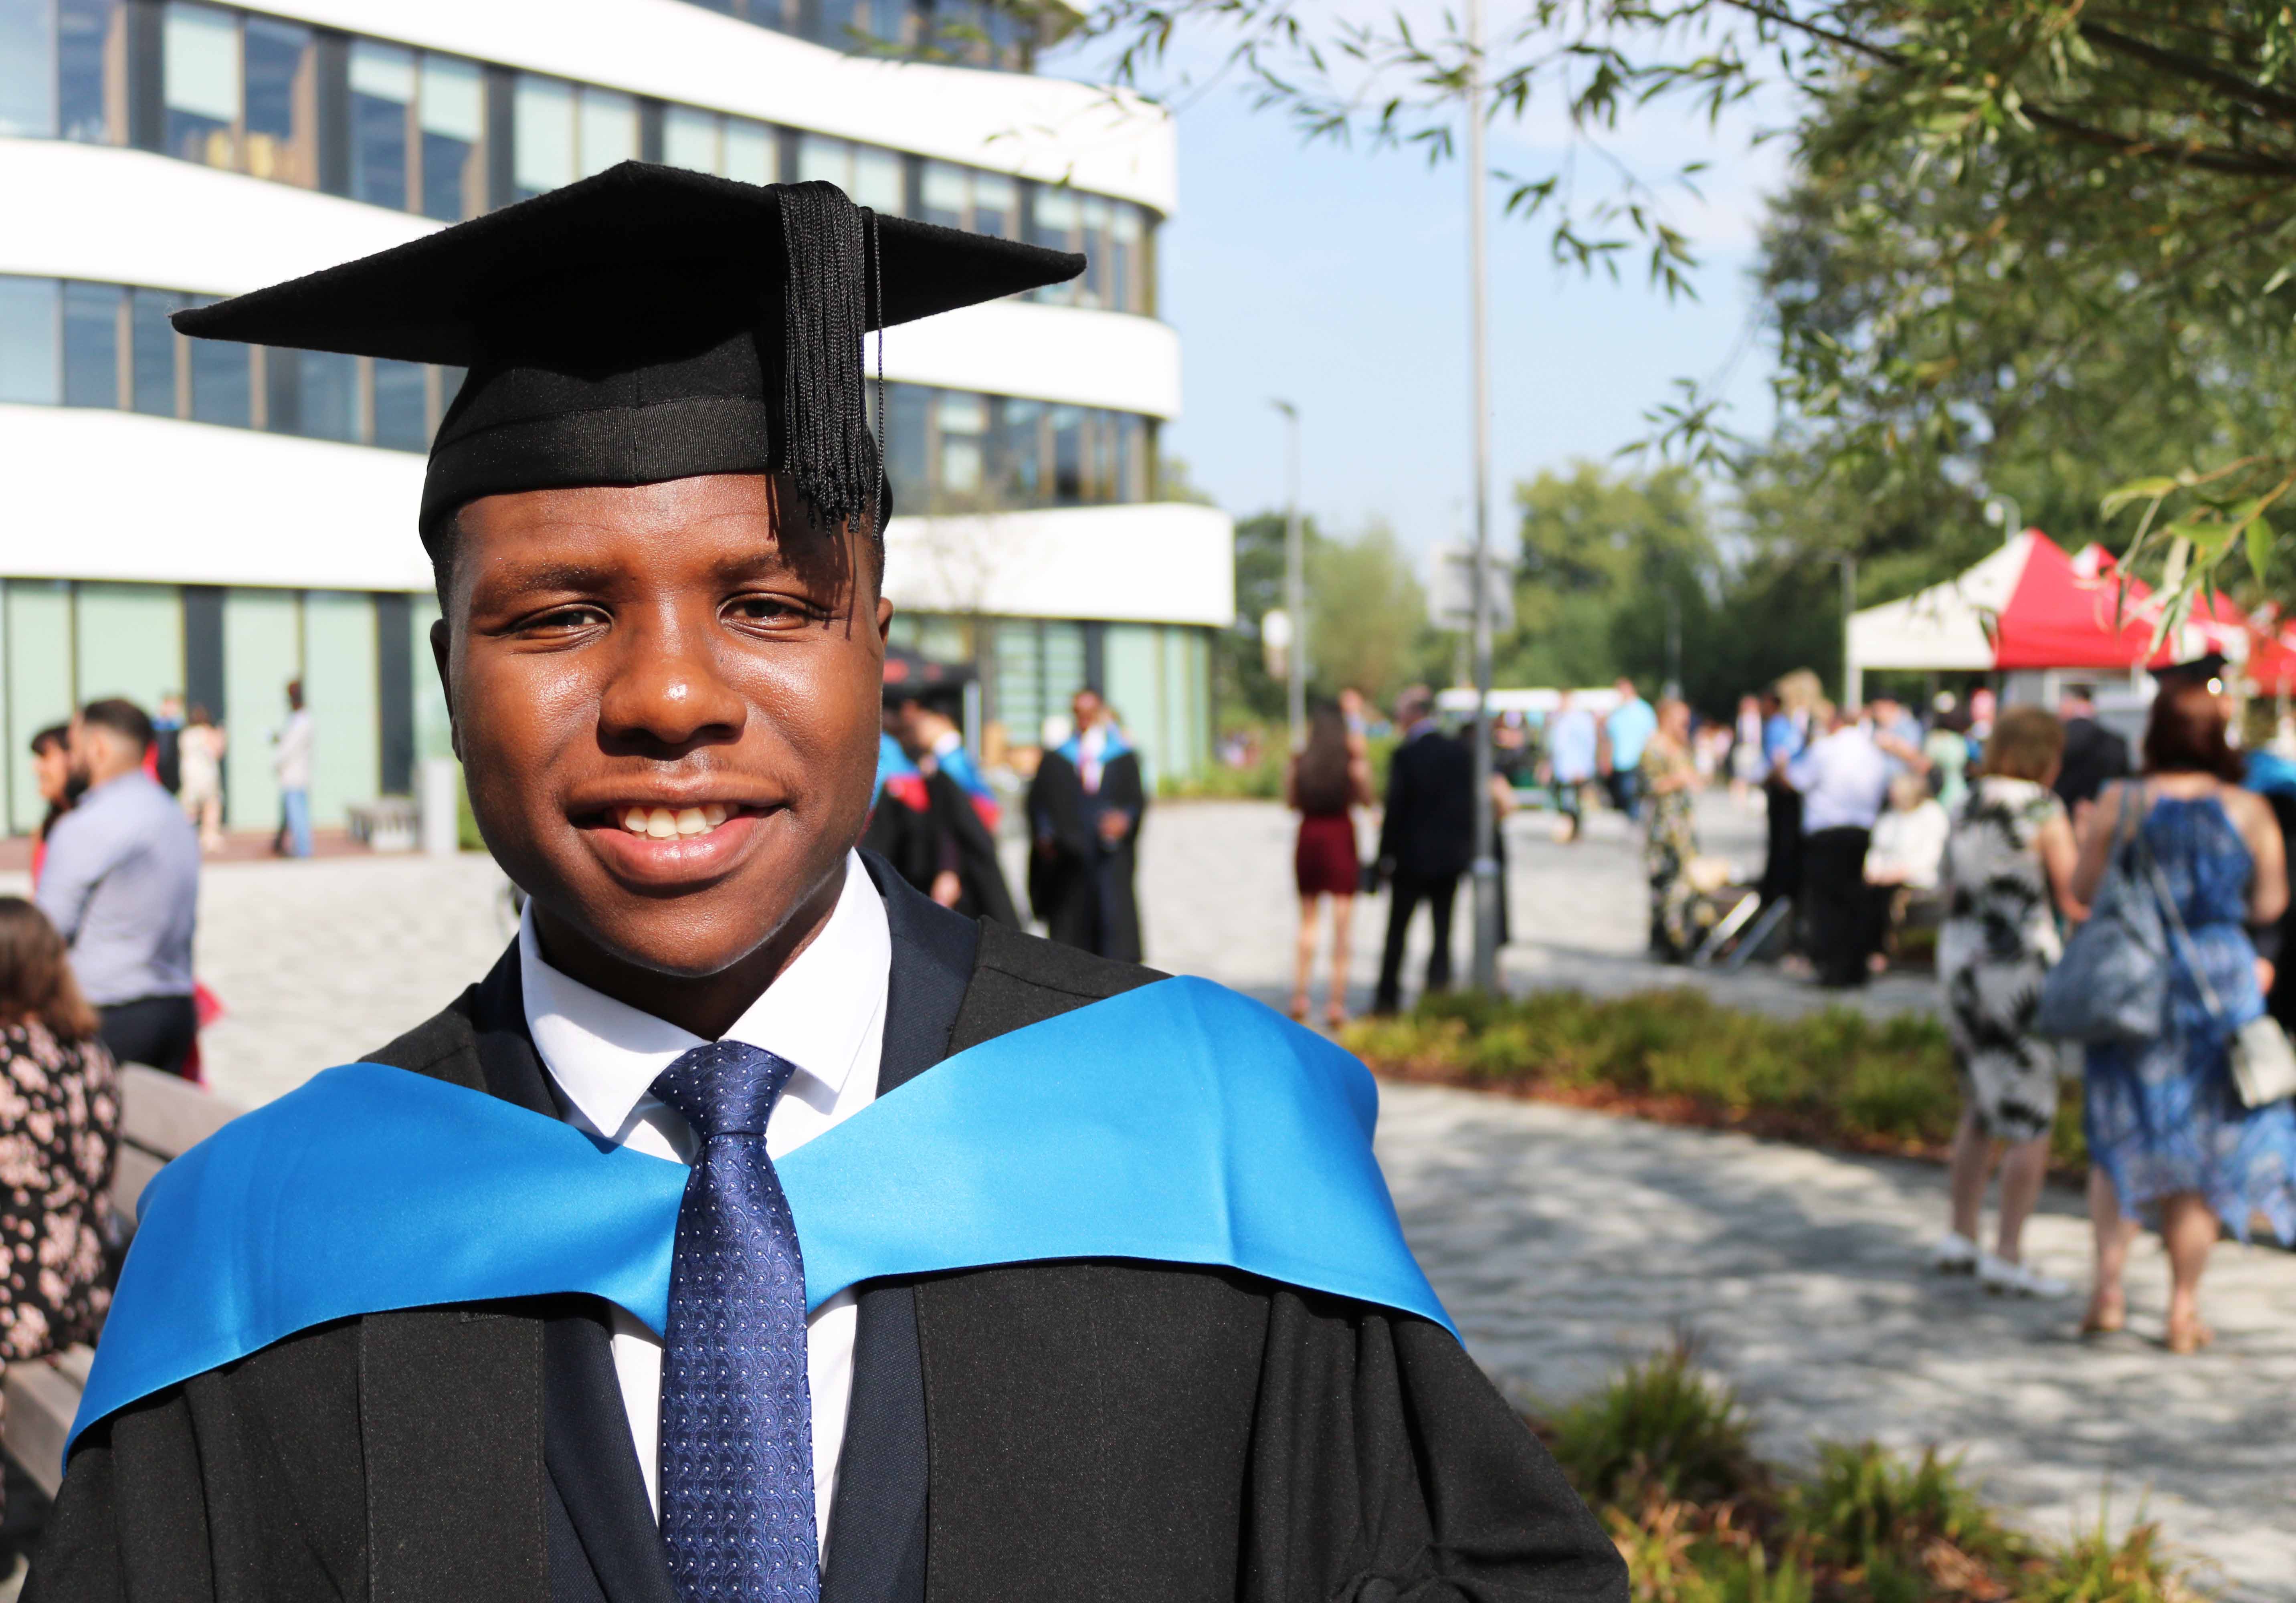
x: 1601, y: 554
x: 1367, y: 615
x: 1245, y: 688
x: 2039, y: 210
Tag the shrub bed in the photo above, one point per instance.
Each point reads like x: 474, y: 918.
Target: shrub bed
x: 1662, y: 1455
x: 1833, y: 1079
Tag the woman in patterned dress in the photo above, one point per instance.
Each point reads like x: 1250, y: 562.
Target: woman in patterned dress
x: 2008, y: 872
x: 1669, y: 785
x: 59, y: 1126
x: 2168, y: 1137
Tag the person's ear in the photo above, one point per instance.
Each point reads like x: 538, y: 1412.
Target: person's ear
x: 884, y: 622
x: 442, y: 640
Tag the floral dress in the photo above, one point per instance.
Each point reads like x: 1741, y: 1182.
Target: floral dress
x: 2162, y: 1115
x: 1998, y: 944
x: 59, y: 1127
x: 1670, y: 841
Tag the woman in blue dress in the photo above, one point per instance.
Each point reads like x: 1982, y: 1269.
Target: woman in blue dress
x: 2169, y: 1137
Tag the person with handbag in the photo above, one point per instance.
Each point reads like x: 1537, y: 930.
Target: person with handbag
x: 2192, y: 1124
x: 2008, y: 874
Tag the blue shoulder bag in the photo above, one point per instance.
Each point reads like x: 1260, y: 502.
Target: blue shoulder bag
x: 2112, y: 982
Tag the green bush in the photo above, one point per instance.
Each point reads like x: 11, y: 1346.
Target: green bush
x: 1661, y: 1430
x: 1866, y: 1510
x: 2094, y: 1568
x: 1834, y: 1078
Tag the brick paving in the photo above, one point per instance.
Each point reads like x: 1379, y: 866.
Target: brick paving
x: 1563, y: 1241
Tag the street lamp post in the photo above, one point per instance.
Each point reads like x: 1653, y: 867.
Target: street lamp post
x: 1487, y: 887
x: 1295, y: 580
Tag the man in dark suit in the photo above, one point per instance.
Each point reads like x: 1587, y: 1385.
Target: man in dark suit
x: 1426, y: 842
x: 2094, y: 757
x: 1084, y: 807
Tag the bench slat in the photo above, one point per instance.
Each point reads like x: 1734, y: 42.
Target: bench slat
x: 131, y: 1172
x: 160, y: 1113
x: 41, y: 1403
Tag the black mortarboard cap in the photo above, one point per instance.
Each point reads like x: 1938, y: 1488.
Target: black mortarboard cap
x: 914, y: 676
x: 645, y: 324
x: 2199, y: 670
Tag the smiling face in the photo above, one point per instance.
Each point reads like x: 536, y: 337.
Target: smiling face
x: 665, y: 698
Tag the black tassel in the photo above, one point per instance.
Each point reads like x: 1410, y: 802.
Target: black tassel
x: 827, y: 452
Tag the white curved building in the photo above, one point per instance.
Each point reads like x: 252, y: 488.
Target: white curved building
x: 206, y: 520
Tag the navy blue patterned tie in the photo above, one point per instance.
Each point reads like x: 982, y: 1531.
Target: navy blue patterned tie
x: 737, y: 1409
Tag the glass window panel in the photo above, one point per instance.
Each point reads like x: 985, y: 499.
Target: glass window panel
x: 201, y: 85
x: 841, y: 23
x: 1124, y: 261
x: 91, y: 345
x: 751, y: 150
x: 877, y: 181
x: 1053, y: 224
x: 960, y: 464
x: 28, y: 68
x: 153, y: 340
x: 1020, y: 460
x: 310, y: 393
x: 944, y: 194
x: 542, y: 141
x: 221, y: 388
x: 962, y: 412
x: 1132, y: 458
x: 452, y: 119
x: 905, y: 445
x: 996, y: 205
x: 1067, y: 454
x: 610, y: 130
x: 689, y: 139
x: 889, y: 20
x: 401, y: 408
x: 91, y: 67
x: 281, y: 117
x: 828, y: 160
x: 29, y: 339
x: 382, y: 89
x: 1093, y: 214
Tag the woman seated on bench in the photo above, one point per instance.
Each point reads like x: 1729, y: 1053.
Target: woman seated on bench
x: 1903, y: 860
x: 59, y: 1128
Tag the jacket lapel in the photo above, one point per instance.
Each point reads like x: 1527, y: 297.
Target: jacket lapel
x: 877, y: 1517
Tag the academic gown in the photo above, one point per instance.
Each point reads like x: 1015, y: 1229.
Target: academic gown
x: 1080, y: 885
x: 946, y: 833
x: 1028, y: 1434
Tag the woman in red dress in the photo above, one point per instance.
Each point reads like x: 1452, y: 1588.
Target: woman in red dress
x: 1325, y: 783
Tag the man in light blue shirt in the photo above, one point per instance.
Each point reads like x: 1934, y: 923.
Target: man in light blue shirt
x: 1572, y: 746
x: 121, y: 884
x: 1630, y: 726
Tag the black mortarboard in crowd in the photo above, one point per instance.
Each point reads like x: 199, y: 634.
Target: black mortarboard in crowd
x: 645, y: 324
x: 2199, y: 670
x: 914, y: 676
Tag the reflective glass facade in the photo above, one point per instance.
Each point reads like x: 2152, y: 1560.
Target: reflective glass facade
x: 440, y: 134
x: 968, y: 33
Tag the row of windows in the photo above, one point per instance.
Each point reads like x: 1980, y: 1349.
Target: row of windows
x: 68, y: 343
x: 64, y: 342
x: 449, y: 138
x: 964, y: 32
x: 950, y: 451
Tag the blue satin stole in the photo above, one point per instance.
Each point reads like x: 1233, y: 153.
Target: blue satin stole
x: 1179, y: 1123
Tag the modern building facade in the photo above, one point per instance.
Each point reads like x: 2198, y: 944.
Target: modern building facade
x: 212, y: 520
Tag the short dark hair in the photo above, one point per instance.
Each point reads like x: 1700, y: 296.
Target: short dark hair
x: 54, y: 734
x: 2185, y: 734
x: 122, y: 717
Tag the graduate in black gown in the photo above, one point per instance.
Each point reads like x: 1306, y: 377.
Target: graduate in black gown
x: 1084, y: 807
x: 934, y: 822
x: 655, y: 510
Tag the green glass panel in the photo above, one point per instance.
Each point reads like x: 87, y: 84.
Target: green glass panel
x: 262, y: 650
x: 38, y: 639
x: 340, y: 687
x: 434, y: 732
x: 130, y: 642
x: 1131, y: 662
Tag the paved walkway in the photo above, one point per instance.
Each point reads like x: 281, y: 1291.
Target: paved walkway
x: 1564, y: 1242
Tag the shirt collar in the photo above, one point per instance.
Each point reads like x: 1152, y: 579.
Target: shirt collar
x: 605, y: 1054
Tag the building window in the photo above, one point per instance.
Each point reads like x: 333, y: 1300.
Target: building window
x: 200, y: 84
x: 281, y: 118
x: 153, y: 345
x: 221, y: 390
x: 383, y: 95
x: 1019, y: 463
x: 451, y: 121
x: 730, y: 147
x: 29, y: 341
x: 311, y: 393
x: 401, y: 406
x: 92, y: 344
x: 961, y: 427
x: 92, y: 70
x: 996, y: 205
x: 542, y: 142
x: 945, y: 196
x: 610, y: 131
x: 28, y: 69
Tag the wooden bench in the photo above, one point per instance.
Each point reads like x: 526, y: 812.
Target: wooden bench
x: 159, y: 1116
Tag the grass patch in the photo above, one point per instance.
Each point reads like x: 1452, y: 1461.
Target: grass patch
x: 1834, y: 1079
x: 1662, y: 1455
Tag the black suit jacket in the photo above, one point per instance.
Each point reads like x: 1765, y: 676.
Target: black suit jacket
x: 1428, y: 830
x: 1139, y: 1433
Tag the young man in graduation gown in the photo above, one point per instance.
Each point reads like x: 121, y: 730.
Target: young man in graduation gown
x: 384, y: 1338
x: 1084, y: 807
x: 932, y: 829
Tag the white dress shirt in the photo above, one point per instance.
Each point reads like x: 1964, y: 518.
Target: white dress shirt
x: 825, y: 1015
x: 1844, y: 781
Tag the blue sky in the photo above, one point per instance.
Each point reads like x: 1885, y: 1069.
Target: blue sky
x: 1338, y: 278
